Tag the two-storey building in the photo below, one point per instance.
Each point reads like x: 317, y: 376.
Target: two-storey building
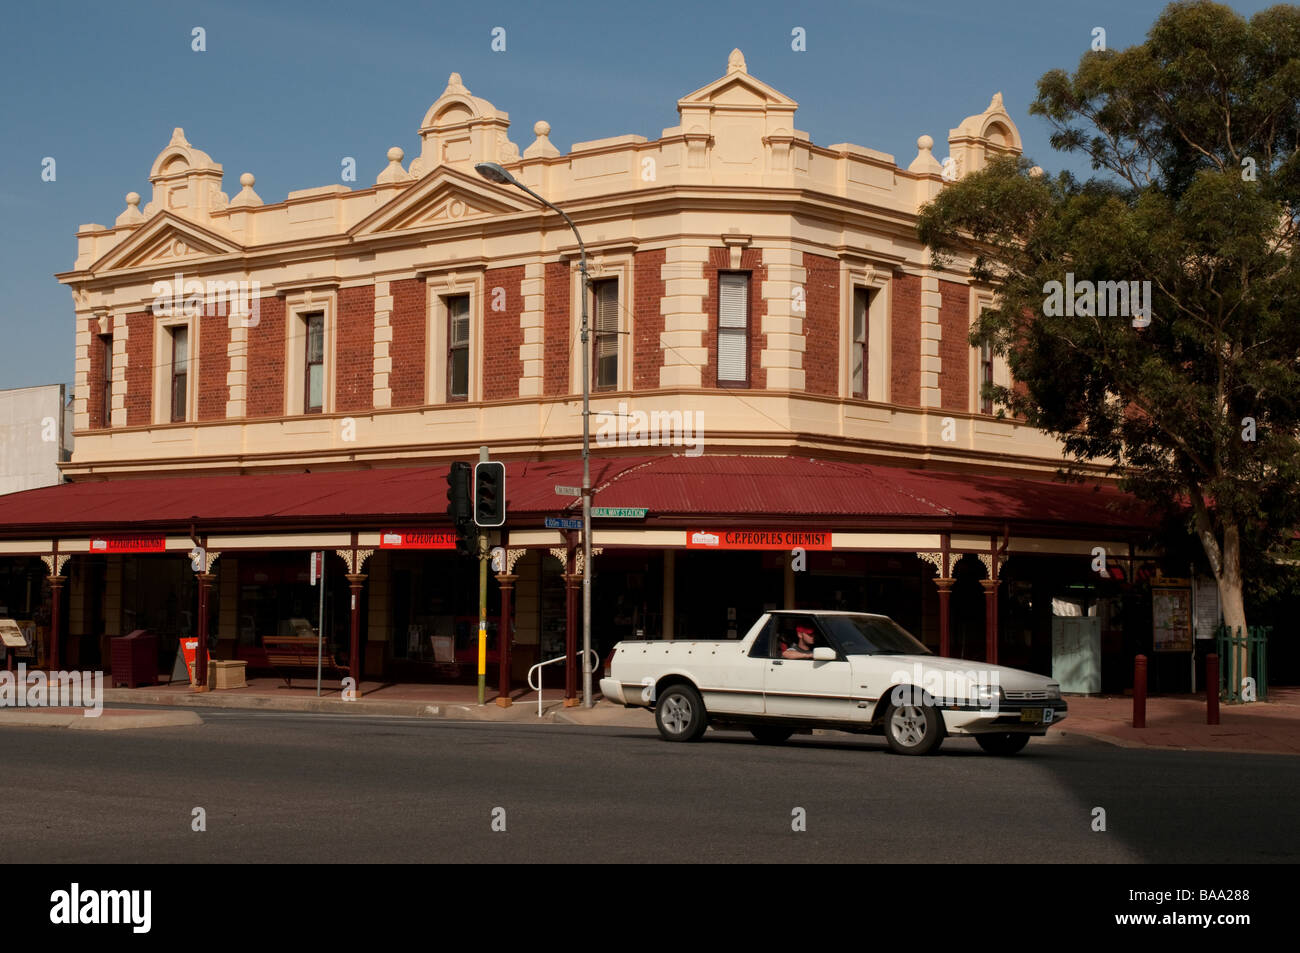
x: 779, y: 379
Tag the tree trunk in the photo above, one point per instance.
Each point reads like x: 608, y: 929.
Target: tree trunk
x: 1225, y: 561
x: 1231, y: 597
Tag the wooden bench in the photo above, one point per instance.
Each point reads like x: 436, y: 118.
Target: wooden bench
x: 298, y: 652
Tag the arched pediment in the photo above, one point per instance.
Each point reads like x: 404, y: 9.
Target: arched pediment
x: 179, y: 156
x: 462, y: 128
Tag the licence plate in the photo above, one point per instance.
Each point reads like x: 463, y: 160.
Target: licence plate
x: 1034, y: 715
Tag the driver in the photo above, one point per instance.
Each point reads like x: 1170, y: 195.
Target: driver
x: 804, y: 648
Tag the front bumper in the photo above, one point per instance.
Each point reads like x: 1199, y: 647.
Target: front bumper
x: 1029, y: 717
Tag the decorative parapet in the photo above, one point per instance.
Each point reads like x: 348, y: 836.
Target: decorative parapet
x: 462, y: 129
x: 184, y: 177
x: 981, y: 137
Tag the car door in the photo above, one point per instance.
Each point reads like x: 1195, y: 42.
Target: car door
x: 805, y: 688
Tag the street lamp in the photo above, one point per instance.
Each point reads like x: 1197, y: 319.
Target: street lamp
x: 493, y: 172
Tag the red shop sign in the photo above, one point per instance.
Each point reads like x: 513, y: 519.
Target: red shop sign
x: 756, y: 539
x: 129, y: 544
x: 417, y: 539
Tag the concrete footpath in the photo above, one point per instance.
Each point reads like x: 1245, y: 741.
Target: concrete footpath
x: 108, y: 719
x: 1172, y: 722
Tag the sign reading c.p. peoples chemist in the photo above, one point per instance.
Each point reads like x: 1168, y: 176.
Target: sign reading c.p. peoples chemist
x: 756, y: 539
x: 417, y: 539
x: 129, y: 544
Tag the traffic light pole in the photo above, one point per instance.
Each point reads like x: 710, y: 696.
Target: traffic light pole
x: 494, y: 172
x: 482, y: 601
x: 586, y: 487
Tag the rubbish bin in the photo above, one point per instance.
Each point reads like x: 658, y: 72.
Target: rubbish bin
x: 135, y: 659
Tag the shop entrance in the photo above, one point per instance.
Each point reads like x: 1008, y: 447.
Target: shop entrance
x: 434, y: 613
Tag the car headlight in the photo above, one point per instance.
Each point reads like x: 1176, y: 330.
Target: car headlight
x: 1054, y: 692
x: 986, y: 696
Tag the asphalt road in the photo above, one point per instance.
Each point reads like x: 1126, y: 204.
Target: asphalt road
x: 280, y: 787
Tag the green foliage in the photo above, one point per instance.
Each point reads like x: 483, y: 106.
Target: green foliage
x: 1195, y: 133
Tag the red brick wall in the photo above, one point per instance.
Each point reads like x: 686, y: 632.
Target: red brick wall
x: 95, y: 399
x: 502, y: 334
x: 555, y: 352
x: 906, y: 332
x: 139, y: 368
x: 354, y: 362
x: 647, y: 319
x: 821, y: 325
x: 751, y: 260
x: 214, y: 364
x: 266, y: 360
x: 954, y: 348
x: 410, y: 328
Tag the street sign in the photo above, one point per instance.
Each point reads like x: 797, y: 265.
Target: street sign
x: 568, y: 490
x: 317, y: 564
x: 620, y: 512
x: 553, y: 523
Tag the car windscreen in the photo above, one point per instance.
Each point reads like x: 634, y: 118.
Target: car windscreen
x: 871, y: 635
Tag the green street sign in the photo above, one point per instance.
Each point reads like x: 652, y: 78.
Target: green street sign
x: 620, y: 512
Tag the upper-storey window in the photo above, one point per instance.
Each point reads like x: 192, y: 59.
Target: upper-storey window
x: 859, y: 366
x: 457, y: 347
x: 180, y: 366
x: 106, y: 354
x: 313, y: 399
x: 604, y: 294
x: 986, y: 378
x: 733, y: 328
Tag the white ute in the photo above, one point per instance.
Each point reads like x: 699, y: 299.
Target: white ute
x: 849, y: 671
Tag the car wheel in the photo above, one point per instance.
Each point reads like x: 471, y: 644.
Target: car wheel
x: 771, y: 736
x: 913, y: 729
x: 1002, y: 743
x: 680, y: 715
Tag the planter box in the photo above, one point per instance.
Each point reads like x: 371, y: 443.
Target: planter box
x: 225, y: 674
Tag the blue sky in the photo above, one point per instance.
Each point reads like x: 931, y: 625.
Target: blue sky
x: 285, y: 90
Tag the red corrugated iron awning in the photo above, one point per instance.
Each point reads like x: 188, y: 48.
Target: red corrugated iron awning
x: 723, y: 487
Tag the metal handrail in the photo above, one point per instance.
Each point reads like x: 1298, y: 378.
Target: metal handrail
x: 537, y: 668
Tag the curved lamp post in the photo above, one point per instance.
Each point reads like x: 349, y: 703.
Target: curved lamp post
x: 493, y: 172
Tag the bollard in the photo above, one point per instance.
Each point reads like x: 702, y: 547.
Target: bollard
x: 1140, y: 691
x: 1212, y: 689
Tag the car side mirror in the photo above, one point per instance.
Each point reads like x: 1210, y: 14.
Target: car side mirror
x: 824, y: 653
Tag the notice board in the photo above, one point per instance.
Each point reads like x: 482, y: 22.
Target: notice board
x: 1171, y: 618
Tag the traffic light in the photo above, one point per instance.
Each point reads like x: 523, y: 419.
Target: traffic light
x: 459, y: 508
x: 458, y: 503
x: 490, y: 494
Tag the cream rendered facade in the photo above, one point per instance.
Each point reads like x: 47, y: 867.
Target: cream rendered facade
x: 734, y: 173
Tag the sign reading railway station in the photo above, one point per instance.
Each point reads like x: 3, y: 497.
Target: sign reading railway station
x: 417, y: 539
x: 620, y: 512
x: 756, y: 539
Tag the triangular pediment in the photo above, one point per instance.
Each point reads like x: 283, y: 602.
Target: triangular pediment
x: 443, y: 197
x: 737, y: 89
x: 165, y: 239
